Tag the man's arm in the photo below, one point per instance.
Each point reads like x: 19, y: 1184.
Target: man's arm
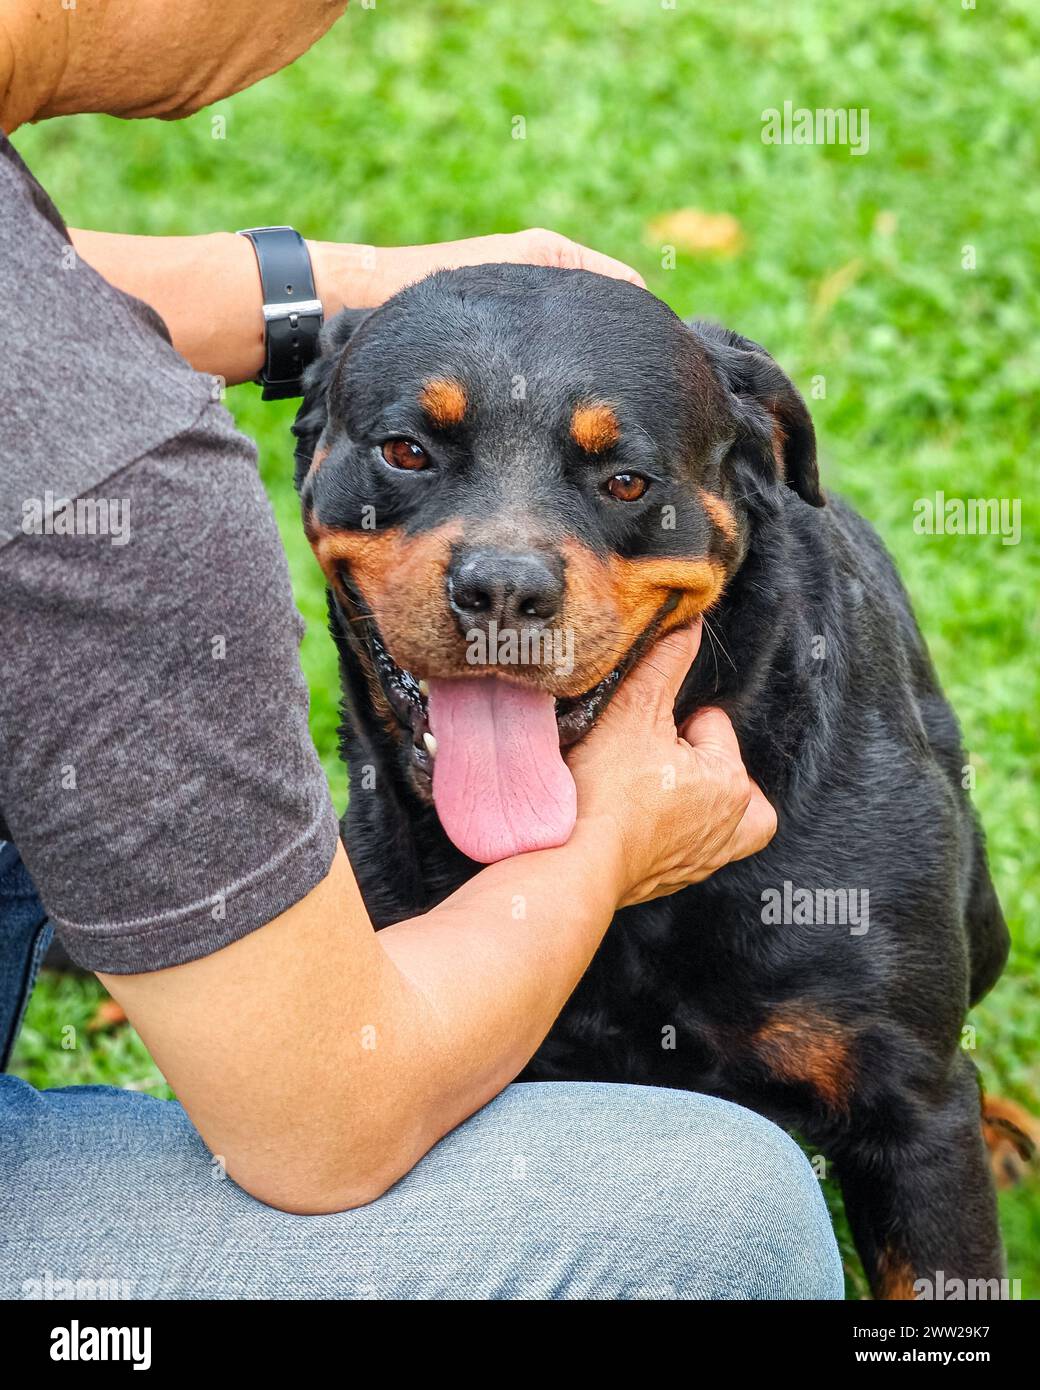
x: 168, y: 58
x: 320, y: 1060
x: 207, y: 288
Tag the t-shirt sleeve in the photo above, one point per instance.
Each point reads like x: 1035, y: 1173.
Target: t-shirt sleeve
x: 156, y: 768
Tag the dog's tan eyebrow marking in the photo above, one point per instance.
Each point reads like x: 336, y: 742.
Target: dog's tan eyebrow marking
x: 444, y: 401
x: 594, y: 427
x: 720, y: 513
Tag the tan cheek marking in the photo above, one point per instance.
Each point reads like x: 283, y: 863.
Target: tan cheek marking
x: 368, y: 554
x: 720, y: 514
x: 444, y: 401
x: 331, y: 547
x: 610, y: 602
x: 798, y: 1045
x: 595, y: 427
x: 591, y: 612
x: 402, y: 580
x: 643, y: 586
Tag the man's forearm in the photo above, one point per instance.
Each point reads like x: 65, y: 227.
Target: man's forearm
x: 207, y: 291
x: 373, y: 1047
x: 494, y: 966
x: 205, y: 288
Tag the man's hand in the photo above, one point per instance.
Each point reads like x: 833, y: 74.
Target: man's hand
x: 207, y: 288
x: 360, y: 277
x: 677, y: 805
x: 321, y: 1061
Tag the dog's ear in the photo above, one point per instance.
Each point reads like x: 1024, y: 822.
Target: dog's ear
x: 313, y: 412
x: 770, y: 403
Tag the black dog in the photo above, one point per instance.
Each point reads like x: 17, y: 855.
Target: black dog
x: 516, y: 449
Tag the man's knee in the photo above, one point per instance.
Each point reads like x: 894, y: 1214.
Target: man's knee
x: 637, y: 1192
x: 757, y: 1212
x: 551, y: 1191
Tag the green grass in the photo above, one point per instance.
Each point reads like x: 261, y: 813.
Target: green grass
x: 397, y: 128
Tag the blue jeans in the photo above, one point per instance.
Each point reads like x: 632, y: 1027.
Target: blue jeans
x: 552, y: 1191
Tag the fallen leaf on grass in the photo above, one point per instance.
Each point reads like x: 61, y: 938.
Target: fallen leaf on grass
x: 698, y: 233
x: 1012, y: 1137
x: 108, y: 1014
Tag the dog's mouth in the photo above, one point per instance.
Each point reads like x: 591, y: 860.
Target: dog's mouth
x: 488, y: 747
x: 408, y: 697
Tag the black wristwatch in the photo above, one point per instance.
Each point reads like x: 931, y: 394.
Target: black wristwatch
x: 292, y: 310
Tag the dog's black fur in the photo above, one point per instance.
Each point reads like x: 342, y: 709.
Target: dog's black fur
x: 853, y: 1040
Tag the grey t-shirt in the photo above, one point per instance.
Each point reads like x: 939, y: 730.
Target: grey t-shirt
x: 156, y: 769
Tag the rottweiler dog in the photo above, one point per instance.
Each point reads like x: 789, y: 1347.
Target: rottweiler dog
x: 517, y: 478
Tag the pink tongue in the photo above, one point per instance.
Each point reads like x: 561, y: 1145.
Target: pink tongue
x: 499, y: 783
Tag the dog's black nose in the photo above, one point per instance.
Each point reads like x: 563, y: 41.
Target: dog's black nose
x: 513, y: 589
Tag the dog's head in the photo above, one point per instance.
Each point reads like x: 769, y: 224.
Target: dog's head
x: 515, y: 479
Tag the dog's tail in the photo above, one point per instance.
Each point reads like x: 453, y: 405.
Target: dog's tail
x: 1012, y: 1137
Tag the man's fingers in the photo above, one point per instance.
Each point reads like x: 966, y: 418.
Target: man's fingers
x: 654, y: 680
x: 536, y: 246
x: 710, y: 728
x: 756, y: 828
x: 555, y: 249
x: 601, y: 264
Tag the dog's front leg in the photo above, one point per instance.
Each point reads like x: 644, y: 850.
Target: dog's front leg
x: 921, y: 1201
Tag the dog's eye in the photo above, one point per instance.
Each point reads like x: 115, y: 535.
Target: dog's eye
x: 627, y: 487
x: 405, y: 453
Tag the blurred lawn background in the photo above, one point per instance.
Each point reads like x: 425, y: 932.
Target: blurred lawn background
x: 398, y: 128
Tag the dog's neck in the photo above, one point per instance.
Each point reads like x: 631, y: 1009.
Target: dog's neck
x: 760, y: 657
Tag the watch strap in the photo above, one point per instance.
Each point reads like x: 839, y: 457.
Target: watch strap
x: 292, y: 310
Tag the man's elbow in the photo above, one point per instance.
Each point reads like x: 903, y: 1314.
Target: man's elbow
x: 317, y: 1189
x: 305, y: 1199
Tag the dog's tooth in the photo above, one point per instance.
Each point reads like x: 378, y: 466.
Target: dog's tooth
x: 431, y: 744
x: 424, y: 687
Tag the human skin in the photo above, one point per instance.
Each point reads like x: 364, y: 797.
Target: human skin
x: 375, y: 1045
x: 207, y: 288
x: 170, y: 58
x: 456, y: 1001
